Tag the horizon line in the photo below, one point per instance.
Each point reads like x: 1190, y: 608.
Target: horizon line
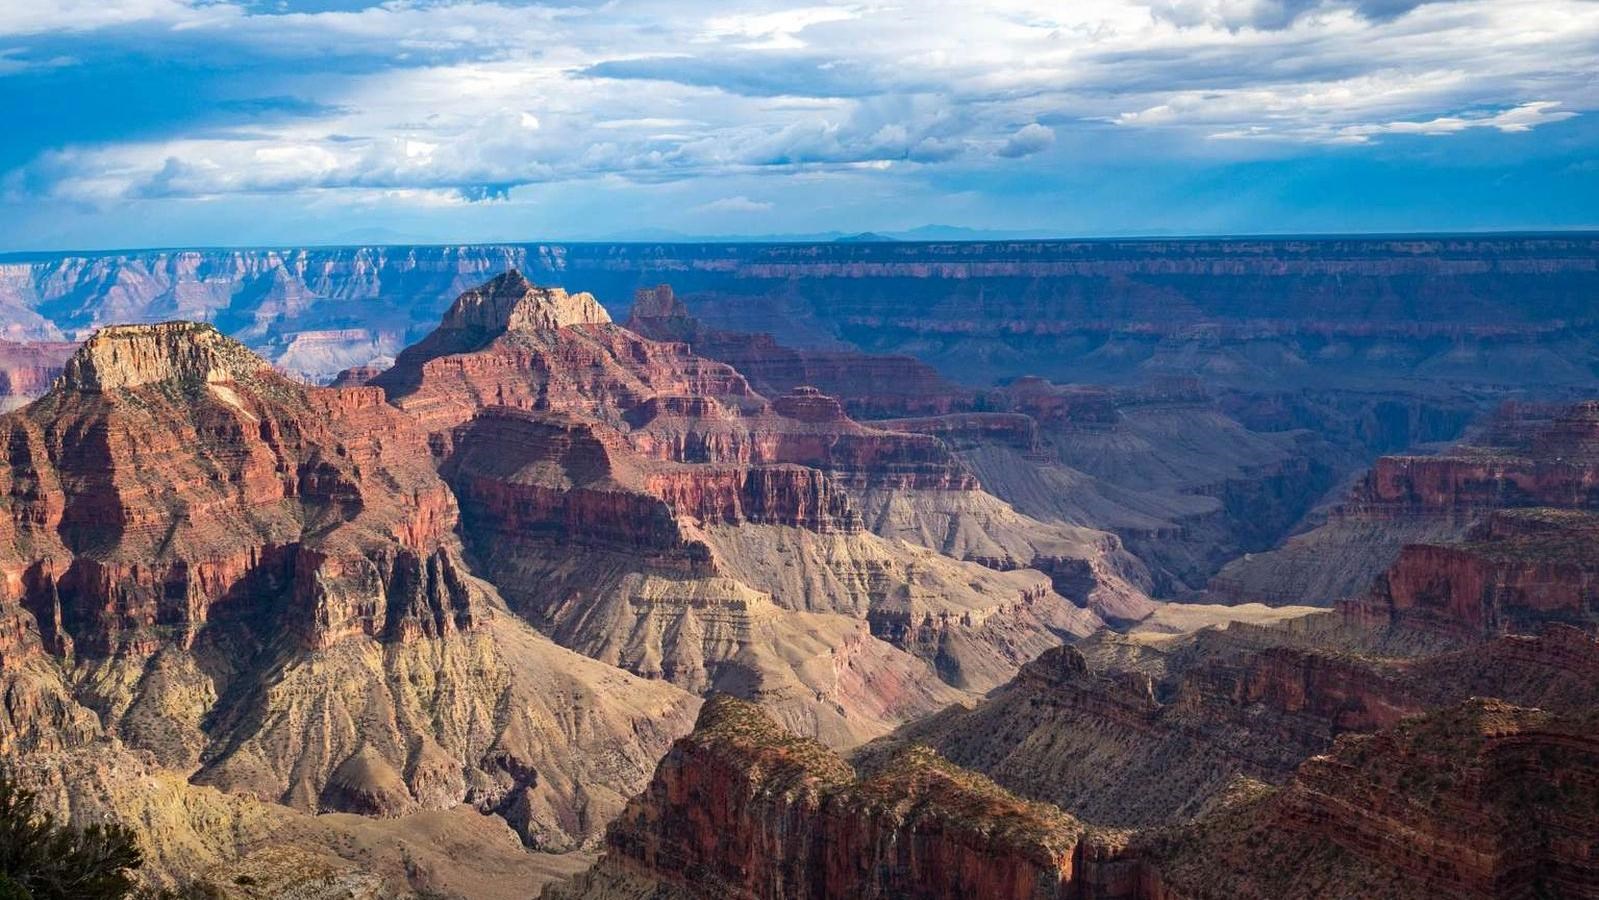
x: 842, y: 239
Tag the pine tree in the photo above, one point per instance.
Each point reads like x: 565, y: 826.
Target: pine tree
x: 41, y: 860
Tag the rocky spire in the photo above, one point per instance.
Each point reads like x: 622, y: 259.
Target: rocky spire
x: 512, y: 303
x: 129, y: 356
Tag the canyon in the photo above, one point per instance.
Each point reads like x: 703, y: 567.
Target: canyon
x: 1090, y: 570
x: 1507, y: 309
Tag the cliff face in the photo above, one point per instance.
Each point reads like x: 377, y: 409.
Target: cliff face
x: 647, y: 506
x: 869, y: 386
x: 1481, y: 800
x: 1101, y: 744
x: 1522, y: 457
x: 1484, y: 309
x: 1154, y: 734
x: 170, y: 470
x: 1182, y: 485
x: 742, y: 809
x: 259, y: 584
x: 1516, y: 572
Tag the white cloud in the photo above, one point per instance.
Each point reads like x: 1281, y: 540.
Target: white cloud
x: 1029, y: 139
x: 466, y: 99
x: 24, y: 17
x: 1521, y: 118
x: 774, y: 30
x: 739, y: 204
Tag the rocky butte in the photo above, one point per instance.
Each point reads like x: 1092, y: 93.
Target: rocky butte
x: 647, y: 506
x: 214, y: 572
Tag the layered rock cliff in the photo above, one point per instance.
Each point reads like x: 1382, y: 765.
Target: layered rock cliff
x: 647, y: 506
x: 1521, y: 457
x: 869, y: 386
x: 1481, y: 309
x: 259, y: 584
x: 1138, y: 742
x: 743, y: 809
x: 1482, y: 799
x: 1516, y: 572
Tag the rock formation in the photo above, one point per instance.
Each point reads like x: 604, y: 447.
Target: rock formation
x: 741, y: 808
x: 1479, y: 309
x: 1482, y: 799
x: 1514, y: 573
x: 869, y: 386
x: 647, y: 506
x: 259, y: 584
x: 1521, y: 458
x: 497, y: 576
x: 1129, y: 733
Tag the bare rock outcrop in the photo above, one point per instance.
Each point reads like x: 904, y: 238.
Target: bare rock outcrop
x: 646, y: 505
x: 259, y: 584
x: 744, y: 809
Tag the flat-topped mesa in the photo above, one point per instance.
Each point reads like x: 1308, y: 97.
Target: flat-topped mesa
x: 121, y: 357
x: 658, y: 302
x: 512, y: 303
x: 808, y: 404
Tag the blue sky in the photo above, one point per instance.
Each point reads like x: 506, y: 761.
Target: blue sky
x: 136, y: 123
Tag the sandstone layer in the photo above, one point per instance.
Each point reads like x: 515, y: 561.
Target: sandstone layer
x: 647, y: 506
x: 1482, y: 799
x: 259, y: 584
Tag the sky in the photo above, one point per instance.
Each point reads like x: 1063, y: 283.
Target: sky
x: 145, y: 123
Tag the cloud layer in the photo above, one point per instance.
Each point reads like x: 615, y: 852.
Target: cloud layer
x: 411, y: 109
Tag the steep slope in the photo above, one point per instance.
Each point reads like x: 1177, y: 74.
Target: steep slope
x: 1141, y: 741
x: 647, y: 506
x: 259, y: 584
x: 741, y: 808
x: 1522, y: 457
x: 233, y: 847
x: 1477, y: 801
x: 1482, y: 799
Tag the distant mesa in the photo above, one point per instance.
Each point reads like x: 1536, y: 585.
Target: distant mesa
x: 866, y: 237
x: 512, y: 303
x: 658, y: 302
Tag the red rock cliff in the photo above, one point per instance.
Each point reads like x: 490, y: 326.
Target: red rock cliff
x: 742, y: 809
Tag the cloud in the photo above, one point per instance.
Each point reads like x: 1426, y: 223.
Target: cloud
x: 774, y: 30
x: 1029, y: 139
x: 450, y: 104
x: 1271, y: 14
x: 739, y: 204
x: 1522, y: 118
